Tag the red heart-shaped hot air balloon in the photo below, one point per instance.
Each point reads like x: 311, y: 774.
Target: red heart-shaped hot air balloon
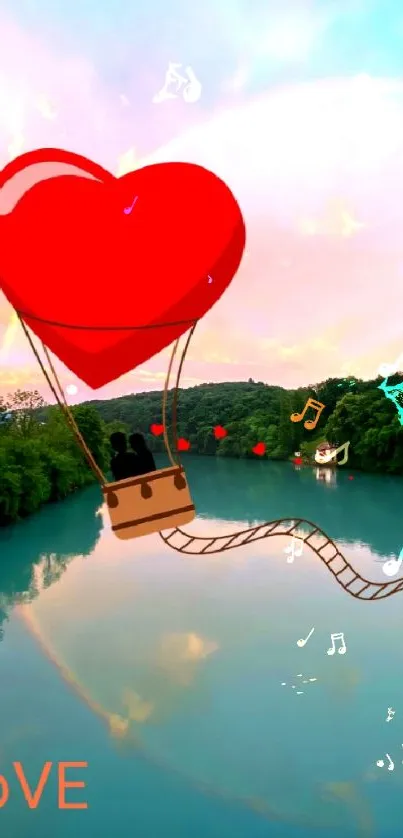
x: 108, y: 271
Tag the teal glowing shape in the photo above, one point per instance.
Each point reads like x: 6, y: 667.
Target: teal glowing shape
x: 395, y: 394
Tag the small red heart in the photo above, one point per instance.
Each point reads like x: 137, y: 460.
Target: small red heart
x: 220, y: 432
x: 350, y: 477
x: 183, y: 444
x: 157, y: 430
x: 259, y: 449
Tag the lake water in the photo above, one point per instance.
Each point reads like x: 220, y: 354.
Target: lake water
x: 164, y: 672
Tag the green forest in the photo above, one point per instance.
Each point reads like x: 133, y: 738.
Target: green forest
x: 40, y: 460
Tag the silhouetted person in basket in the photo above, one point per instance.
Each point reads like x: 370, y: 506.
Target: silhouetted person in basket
x: 124, y: 463
x: 144, y: 456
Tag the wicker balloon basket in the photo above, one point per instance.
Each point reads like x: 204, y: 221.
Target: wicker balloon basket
x: 150, y: 503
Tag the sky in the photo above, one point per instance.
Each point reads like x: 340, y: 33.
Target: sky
x: 300, y: 112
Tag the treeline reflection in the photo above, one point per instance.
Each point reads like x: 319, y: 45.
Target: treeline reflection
x: 47, y: 542
x: 365, y: 510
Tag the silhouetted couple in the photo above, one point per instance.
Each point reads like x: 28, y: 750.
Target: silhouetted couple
x: 132, y: 463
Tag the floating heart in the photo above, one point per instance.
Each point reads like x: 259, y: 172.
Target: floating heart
x: 183, y: 444
x: 106, y: 289
x: 157, y: 430
x: 220, y: 432
x: 259, y: 449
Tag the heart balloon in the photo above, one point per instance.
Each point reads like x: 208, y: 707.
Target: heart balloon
x: 108, y: 271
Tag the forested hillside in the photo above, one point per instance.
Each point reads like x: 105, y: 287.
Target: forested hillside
x: 40, y: 460
x: 255, y: 412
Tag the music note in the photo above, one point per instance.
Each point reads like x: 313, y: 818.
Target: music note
x: 127, y: 210
x: 294, y: 549
x: 380, y: 763
x: 310, y: 424
x: 322, y: 459
x: 303, y: 641
x: 192, y: 91
x: 392, y: 566
x: 172, y: 77
x: 343, y: 648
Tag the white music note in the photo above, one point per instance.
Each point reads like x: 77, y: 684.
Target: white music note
x: 294, y: 549
x: 172, y: 77
x: 392, y: 566
x: 343, y: 648
x: 191, y: 92
x: 380, y: 763
x: 302, y: 641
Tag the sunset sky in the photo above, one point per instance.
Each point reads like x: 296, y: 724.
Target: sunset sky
x: 301, y: 113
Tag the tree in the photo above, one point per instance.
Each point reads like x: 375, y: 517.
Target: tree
x: 24, y: 404
x: 42, y: 461
x: 370, y: 423
x: 92, y: 429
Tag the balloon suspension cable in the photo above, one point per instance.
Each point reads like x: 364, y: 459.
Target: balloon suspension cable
x: 61, y: 401
x: 164, y: 405
x: 175, y: 398
x: 182, y: 542
x: 176, y: 391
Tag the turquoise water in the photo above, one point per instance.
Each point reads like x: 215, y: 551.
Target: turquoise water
x: 164, y: 672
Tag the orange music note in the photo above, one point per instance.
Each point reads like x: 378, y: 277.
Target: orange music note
x: 310, y: 424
